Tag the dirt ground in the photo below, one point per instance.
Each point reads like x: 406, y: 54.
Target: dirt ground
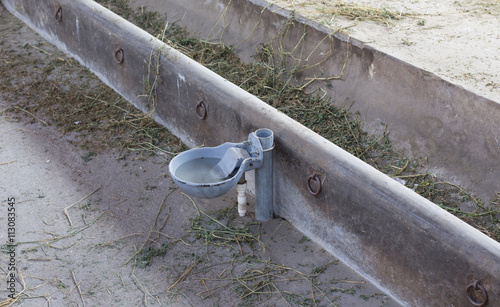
x: 457, y: 40
x: 108, y: 227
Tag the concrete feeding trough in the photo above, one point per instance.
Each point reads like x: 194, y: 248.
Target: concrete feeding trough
x: 403, y: 243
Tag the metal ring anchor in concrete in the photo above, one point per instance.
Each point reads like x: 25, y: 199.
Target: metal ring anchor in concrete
x: 201, y: 109
x: 314, y: 190
x: 119, y: 56
x: 59, y: 15
x: 478, y: 286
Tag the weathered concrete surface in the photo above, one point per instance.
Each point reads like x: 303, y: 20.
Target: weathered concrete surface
x: 406, y: 245
x: 427, y: 116
x: 45, y: 168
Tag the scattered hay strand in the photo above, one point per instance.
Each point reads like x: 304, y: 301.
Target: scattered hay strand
x: 152, y: 230
x: 77, y: 285
x: 72, y: 234
x: 186, y: 273
x: 221, y: 234
x: 120, y: 238
x: 23, y: 294
x: 258, y: 282
x: 33, y: 115
x: 8, y: 163
x: 70, y: 206
x: 142, y: 288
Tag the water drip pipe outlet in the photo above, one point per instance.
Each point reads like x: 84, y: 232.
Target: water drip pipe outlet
x: 242, y: 197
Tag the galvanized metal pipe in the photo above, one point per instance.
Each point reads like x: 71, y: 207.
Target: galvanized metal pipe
x: 264, y: 177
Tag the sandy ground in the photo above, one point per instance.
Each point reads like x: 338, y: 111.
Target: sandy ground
x: 117, y: 203
x: 457, y: 40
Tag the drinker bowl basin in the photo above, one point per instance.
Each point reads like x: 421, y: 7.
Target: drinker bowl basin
x: 208, y: 172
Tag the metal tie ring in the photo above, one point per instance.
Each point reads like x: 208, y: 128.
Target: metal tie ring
x: 314, y: 178
x: 477, y: 285
x: 59, y: 14
x: 119, y: 55
x: 201, y: 110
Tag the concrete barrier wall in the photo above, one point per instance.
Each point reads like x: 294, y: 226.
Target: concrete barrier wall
x: 457, y: 130
x: 410, y: 248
